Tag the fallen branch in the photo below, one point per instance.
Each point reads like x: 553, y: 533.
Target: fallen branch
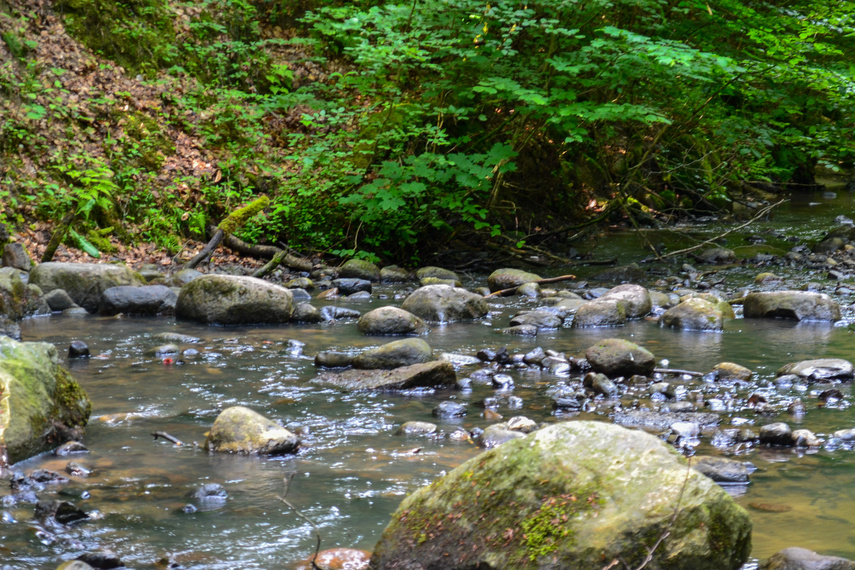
x: 59, y: 234
x: 677, y: 371
x: 167, y: 437
x: 508, y: 292
x: 287, y: 481
x: 712, y: 240
x: 232, y: 222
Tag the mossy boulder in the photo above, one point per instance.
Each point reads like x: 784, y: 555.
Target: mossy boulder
x: 145, y: 300
x: 798, y: 305
x: 635, y: 298
x: 390, y: 321
x: 617, y: 357
x: 395, y: 354
x: 574, y: 495
x: 241, y: 430
x: 600, y: 313
x: 444, y: 303
x: 693, y: 314
x: 84, y: 282
x: 436, y: 272
x: 508, y: 278
x: 19, y: 299
x: 41, y: 405
x: 360, y: 269
x: 234, y: 300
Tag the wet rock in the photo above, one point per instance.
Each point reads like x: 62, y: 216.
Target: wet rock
x: 600, y: 313
x: 625, y: 274
x: 542, y: 320
x: 508, y: 278
x: 333, y: 313
x: 609, y: 470
x: 442, y: 303
x: 394, y: 274
x: 635, y: 298
x: 42, y: 404
x: 819, y: 369
x: 662, y: 421
x: 729, y: 371
x: 599, y: 384
x: 74, y: 565
x: 417, y: 428
x: 19, y: 299
x: 395, y: 354
x: 102, y: 559
x: 184, y: 276
x: 767, y: 278
x: 390, y: 321
x: 84, y: 282
x: 360, y: 269
x: 436, y: 272
x: 424, y: 281
x: 448, y: 409
x: 679, y: 407
x: 306, y: 313
x: 77, y: 470
x: 521, y: 330
x: 805, y: 438
x: 436, y: 374
x: 777, y: 433
x: 210, y: 492
x: 70, y: 448
x: 715, y: 255
x: 241, y: 430
x: 795, y: 558
x: 144, y: 300
x: 616, y: 357
x: 78, y: 349
x: 531, y: 290
x: 534, y: 357
x: 15, y: 255
x: 496, y: 435
x: 693, y: 314
x: 59, y: 300
x: 503, y: 381
x: 163, y: 350
x: 61, y: 512
x: 798, y: 305
x: 48, y: 477
x: 334, y: 359
x: 351, y: 286
x: 721, y: 469
x: 234, y: 300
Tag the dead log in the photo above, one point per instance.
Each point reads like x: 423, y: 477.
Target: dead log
x: 512, y: 290
x: 59, y: 234
x: 232, y: 222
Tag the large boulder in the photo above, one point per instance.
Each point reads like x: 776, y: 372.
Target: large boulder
x: 145, y: 300
x: 390, y: 321
x: 444, y: 303
x: 241, y: 430
x: 693, y: 314
x: 574, y: 495
x: 600, y: 313
x: 234, y: 300
x: 798, y: 305
x: 41, y: 405
x: 395, y: 354
x: 617, y: 357
x: 435, y: 374
x: 84, y: 282
x: 636, y: 299
x: 18, y: 299
x: 508, y: 278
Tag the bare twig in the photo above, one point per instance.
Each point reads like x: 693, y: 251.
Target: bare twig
x: 166, y: 436
x: 677, y: 371
x: 287, y: 481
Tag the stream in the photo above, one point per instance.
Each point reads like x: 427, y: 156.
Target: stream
x: 354, y: 471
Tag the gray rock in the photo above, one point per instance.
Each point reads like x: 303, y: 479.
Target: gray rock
x: 306, y: 313
x: 600, y: 313
x: 43, y: 404
x: 795, y: 558
x: 662, y: 421
x: 78, y: 349
x: 144, y: 300
x: 531, y: 290
x: 390, y: 321
x: 84, y: 282
x: 241, y: 430
x: 395, y: 354
x: 729, y: 371
x: 716, y: 255
x: 352, y: 285
x: 334, y: 359
x: 521, y: 330
x: 721, y: 469
x: 360, y: 269
x: 184, y: 276
x: 693, y: 314
x: 333, y: 313
x: 59, y: 300
x: 777, y: 433
x: 437, y: 272
x: 819, y: 369
x: 798, y: 305
x: 543, y: 320
x: 394, y: 274
x: 19, y: 299
x: 599, y: 384
x: 417, y: 428
x: 495, y: 435
x: 436, y: 374
x: 234, y: 300
x: 623, y: 483
x: 509, y: 278
x: 15, y: 255
x: 448, y: 409
x: 616, y: 357
x: 442, y: 303
x: 59, y: 512
x: 635, y: 298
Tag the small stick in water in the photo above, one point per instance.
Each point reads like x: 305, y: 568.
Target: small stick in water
x: 166, y: 436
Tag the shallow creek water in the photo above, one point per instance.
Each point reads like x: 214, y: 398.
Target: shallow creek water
x: 354, y: 471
